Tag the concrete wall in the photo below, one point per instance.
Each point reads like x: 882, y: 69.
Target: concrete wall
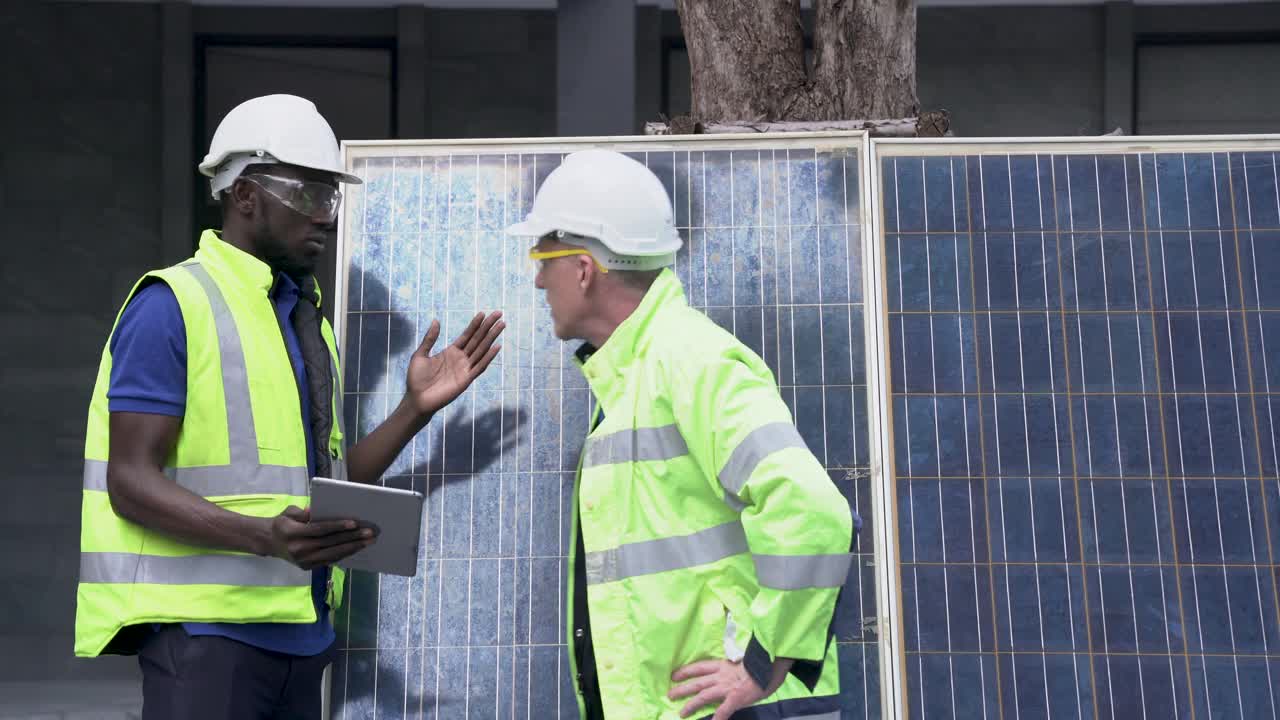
x: 1070, y: 70
x: 79, y: 172
x: 1013, y: 71
x: 491, y: 73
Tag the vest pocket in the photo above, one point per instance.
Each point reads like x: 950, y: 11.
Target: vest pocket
x: 265, y: 506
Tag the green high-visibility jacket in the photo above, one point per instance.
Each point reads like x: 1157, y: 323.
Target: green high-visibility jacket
x: 242, y: 446
x: 710, y: 529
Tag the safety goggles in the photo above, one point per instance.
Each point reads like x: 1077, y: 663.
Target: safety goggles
x: 316, y: 200
x: 549, y: 254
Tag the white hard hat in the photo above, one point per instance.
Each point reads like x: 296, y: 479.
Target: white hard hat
x: 608, y: 197
x: 272, y: 129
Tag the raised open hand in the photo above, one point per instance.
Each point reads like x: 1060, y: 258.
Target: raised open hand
x: 434, y: 381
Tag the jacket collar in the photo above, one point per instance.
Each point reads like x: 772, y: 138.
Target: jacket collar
x: 629, y: 339
x: 244, y: 270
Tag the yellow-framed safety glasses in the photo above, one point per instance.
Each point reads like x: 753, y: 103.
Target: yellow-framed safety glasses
x: 549, y: 254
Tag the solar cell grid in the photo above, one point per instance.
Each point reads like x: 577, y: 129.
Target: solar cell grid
x: 1079, y: 347
x: 1084, y: 499
x: 773, y: 253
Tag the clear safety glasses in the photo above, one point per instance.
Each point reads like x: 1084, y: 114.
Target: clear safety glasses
x: 549, y: 254
x: 316, y: 200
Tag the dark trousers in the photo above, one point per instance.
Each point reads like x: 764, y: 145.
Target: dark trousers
x: 207, y: 677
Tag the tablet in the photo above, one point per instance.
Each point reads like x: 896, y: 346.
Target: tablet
x: 395, y: 514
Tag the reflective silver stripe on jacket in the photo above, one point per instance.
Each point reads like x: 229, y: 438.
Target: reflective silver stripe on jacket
x: 635, y: 445
x: 242, y: 570
x: 798, y: 572
x: 241, y: 433
x: 670, y: 553
x: 755, y: 447
x: 213, y: 481
x: 243, y: 475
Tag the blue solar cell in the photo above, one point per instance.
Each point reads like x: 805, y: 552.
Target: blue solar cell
x: 1220, y: 520
x: 1057, y: 594
x: 1013, y: 271
x: 1210, y: 436
x: 1116, y: 436
x: 1026, y: 434
x: 1228, y: 611
x: 1111, y: 352
x: 1194, y: 270
x: 963, y: 684
x: 1119, y: 191
x: 1130, y: 685
x: 1032, y: 520
x: 1105, y: 271
x: 1253, y: 185
x: 945, y: 521
x: 860, y: 674
x: 1021, y: 352
x: 1131, y: 608
x: 1216, y: 683
x: 1040, y: 685
x: 1125, y: 521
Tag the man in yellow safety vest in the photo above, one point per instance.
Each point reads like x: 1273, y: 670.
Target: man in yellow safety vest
x: 218, y: 397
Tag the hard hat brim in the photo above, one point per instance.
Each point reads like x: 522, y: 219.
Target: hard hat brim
x: 530, y: 228
x: 210, y: 166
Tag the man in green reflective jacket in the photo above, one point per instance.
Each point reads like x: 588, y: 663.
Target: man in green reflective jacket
x: 710, y: 544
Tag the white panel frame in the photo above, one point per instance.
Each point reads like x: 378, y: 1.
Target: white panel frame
x: 892, y: 656
x: 893, y: 661
x: 884, y: 516
x: 889, y: 626
x: 898, y: 147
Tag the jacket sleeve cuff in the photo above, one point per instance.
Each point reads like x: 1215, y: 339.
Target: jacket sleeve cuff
x: 758, y: 664
x: 808, y: 672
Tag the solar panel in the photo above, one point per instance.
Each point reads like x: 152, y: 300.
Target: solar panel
x: 1083, y: 427
x: 773, y: 253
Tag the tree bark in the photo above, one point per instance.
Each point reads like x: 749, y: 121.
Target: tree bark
x: 747, y: 60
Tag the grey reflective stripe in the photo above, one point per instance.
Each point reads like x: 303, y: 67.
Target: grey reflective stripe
x: 756, y: 446
x: 734, y: 502
x: 218, y: 480
x: 213, y: 481
x: 672, y: 553
x: 95, y: 475
x: 635, y: 445
x: 241, y: 434
x: 239, y: 570
x: 797, y: 572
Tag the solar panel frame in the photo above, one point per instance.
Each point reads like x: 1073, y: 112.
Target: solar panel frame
x: 394, y: 151
x: 882, y: 376
x: 1055, y: 148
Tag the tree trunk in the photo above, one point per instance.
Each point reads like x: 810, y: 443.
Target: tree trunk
x: 747, y: 60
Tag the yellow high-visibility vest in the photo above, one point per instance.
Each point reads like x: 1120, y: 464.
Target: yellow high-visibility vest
x: 242, y: 446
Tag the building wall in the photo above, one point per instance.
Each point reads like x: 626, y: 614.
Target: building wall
x: 1013, y: 71
x: 491, y: 73
x: 79, y: 173
x: 85, y: 190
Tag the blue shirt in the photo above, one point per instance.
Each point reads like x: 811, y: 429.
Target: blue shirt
x: 149, y: 375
